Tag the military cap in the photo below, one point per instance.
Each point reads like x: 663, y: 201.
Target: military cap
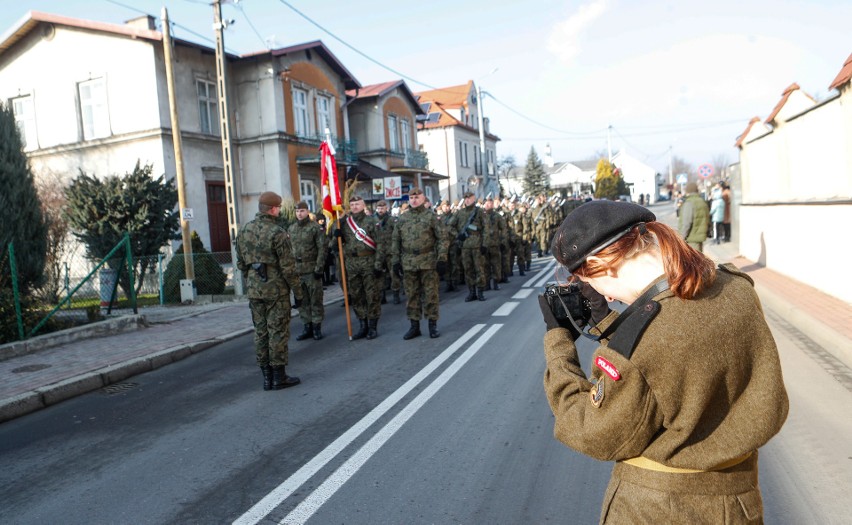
x: 468, y: 194
x: 595, y: 225
x: 270, y: 198
x: 301, y: 205
x: 691, y: 187
x: 415, y: 191
x: 356, y: 198
x: 381, y: 203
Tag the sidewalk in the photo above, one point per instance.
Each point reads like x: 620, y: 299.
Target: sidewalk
x: 121, y: 348
x: 83, y: 359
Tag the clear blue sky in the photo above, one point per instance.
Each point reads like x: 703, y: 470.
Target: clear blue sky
x: 686, y: 74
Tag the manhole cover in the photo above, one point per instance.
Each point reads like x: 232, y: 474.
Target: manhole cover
x: 118, y: 388
x: 29, y: 368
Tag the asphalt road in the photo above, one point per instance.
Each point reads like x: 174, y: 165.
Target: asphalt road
x: 447, y: 430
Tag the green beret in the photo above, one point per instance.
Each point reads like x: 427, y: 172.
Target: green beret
x: 270, y: 198
x: 592, y: 227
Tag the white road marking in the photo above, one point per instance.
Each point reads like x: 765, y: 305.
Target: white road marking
x: 266, y: 505
x: 324, y: 492
x: 506, y: 308
x: 523, y: 293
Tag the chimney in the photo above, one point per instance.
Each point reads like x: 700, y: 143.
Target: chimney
x: 142, y: 22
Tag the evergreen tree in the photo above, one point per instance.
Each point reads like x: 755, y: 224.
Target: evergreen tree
x: 209, y: 277
x: 609, y: 183
x: 536, y: 179
x: 22, y: 221
x: 101, y: 211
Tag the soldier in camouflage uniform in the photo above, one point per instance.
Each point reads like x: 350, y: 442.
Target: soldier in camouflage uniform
x: 528, y: 232
x: 266, y: 260
x: 516, y: 239
x: 386, y: 224
x: 508, y: 243
x: 494, y: 259
x: 541, y: 223
x: 419, y: 254
x: 364, y: 274
x: 309, y: 242
x: 453, y: 274
x: 471, y: 229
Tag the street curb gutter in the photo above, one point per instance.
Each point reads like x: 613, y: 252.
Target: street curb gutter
x: 829, y: 339
x: 48, y: 395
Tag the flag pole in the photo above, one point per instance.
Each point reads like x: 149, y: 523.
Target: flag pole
x: 340, y: 251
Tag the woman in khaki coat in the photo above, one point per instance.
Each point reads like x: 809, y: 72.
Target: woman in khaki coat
x: 686, y: 383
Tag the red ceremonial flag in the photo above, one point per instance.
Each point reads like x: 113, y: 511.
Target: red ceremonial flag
x: 328, y: 181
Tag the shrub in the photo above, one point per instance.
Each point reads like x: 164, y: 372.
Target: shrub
x: 209, y: 276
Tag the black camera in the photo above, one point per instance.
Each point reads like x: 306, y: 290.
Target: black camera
x: 567, y: 301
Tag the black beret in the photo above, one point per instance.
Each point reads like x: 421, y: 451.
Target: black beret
x: 593, y: 226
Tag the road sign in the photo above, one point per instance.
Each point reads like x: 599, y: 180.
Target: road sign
x: 705, y: 171
x: 681, y: 178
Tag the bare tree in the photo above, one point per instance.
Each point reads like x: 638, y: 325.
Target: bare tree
x: 51, y: 192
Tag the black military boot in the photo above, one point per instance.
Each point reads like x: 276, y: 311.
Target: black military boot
x: 471, y: 294
x: 529, y: 265
x: 396, y: 297
x: 307, y: 333
x: 450, y: 286
x: 479, y: 294
x: 280, y: 379
x: 372, y: 325
x: 495, y: 286
x: 505, y: 279
x: 433, y: 328
x: 521, y: 269
x: 487, y: 284
x: 317, y: 331
x: 414, y: 331
x: 267, y: 377
x: 384, y: 297
x: 362, y: 331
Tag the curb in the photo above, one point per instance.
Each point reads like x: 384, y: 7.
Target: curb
x: 67, y: 388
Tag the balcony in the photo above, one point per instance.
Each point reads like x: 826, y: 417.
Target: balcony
x: 416, y: 159
x: 345, y: 150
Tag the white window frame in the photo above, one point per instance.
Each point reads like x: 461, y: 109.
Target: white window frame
x: 306, y: 190
x: 393, y: 133
x: 405, y: 131
x: 208, y: 106
x: 94, y: 110
x: 301, y: 124
x: 325, y: 116
x: 24, y: 111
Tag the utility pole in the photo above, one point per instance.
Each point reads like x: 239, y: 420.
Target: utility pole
x: 231, y: 188
x: 609, y: 142
x: 482, y: 156
x: 188, y: 262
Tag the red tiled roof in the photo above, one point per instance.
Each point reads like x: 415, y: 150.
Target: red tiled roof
x: 844, y: 76
x: 742, y: 137
x: 448, y: 97
x: 784, y: 96
x: 350, y: 82
x: 382, y: 89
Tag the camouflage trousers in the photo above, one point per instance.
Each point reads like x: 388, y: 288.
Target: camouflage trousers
x: 542, y: 237
x: 506, y: 258
x: 365, y: 291
x: 311, y: 310
x: 454, y: 270
x: 271, y: 319
x: 519, y: 252
x: 395, y: 281
x: 494, y: 264
x: 474, y: 267
x: 421, y: 288
x: 528, y: 251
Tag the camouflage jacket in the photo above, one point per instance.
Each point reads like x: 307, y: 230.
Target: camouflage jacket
x: 384, y: 227
x: 497, y: 225
x: 419, y: 240
x: 309, y: 245
x: 264, y: 242
x: 478, y: 233
x: 353, y: 249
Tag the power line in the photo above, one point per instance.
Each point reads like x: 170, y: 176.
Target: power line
x: 321, y: 28
x: 248, y: 20
x: 516, y: 112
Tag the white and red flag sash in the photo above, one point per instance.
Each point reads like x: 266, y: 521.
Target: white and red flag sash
x: 359, y: 232
x: 328, y: 181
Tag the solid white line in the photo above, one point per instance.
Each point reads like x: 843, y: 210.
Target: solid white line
x: 506, y: 308
x: 318, y: 497
x: 523, y: 293
x: 266, y: 505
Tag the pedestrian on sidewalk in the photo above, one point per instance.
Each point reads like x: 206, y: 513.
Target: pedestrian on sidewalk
x: 717, y: 213
x: 694, y: 218
x: 680, y: 409
x: 308, y: 242
x: 726, y: 221
x: 266, y: 260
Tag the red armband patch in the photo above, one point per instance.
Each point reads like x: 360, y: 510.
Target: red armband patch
x: 608, y: 368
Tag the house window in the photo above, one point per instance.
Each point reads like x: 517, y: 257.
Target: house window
x: 404, y: 128
x: 300, y: 112
x: 208, y: 107
x: 22, y: 107
x: 393, y: 133
x: 306, y: 190
x: 324, y: 114
x: 463, y: 116
x: 93, y: 108
x: 463, y: 157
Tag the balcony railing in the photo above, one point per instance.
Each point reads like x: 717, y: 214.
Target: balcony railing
x: 416, y: 159
x: 345, y: 150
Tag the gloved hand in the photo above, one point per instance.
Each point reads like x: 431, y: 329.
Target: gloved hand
x: 297, y: 302
x: 338, y: 233
x: 598, y: 303
x: 318, y: 275
x: 461, y: 237
x: 377, y: 272
x: 550, y: 320
x: 441, y: 266
x: 483, y: 250
x: 397, y: 269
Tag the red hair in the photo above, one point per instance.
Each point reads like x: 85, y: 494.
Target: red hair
x: 687, y: 270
